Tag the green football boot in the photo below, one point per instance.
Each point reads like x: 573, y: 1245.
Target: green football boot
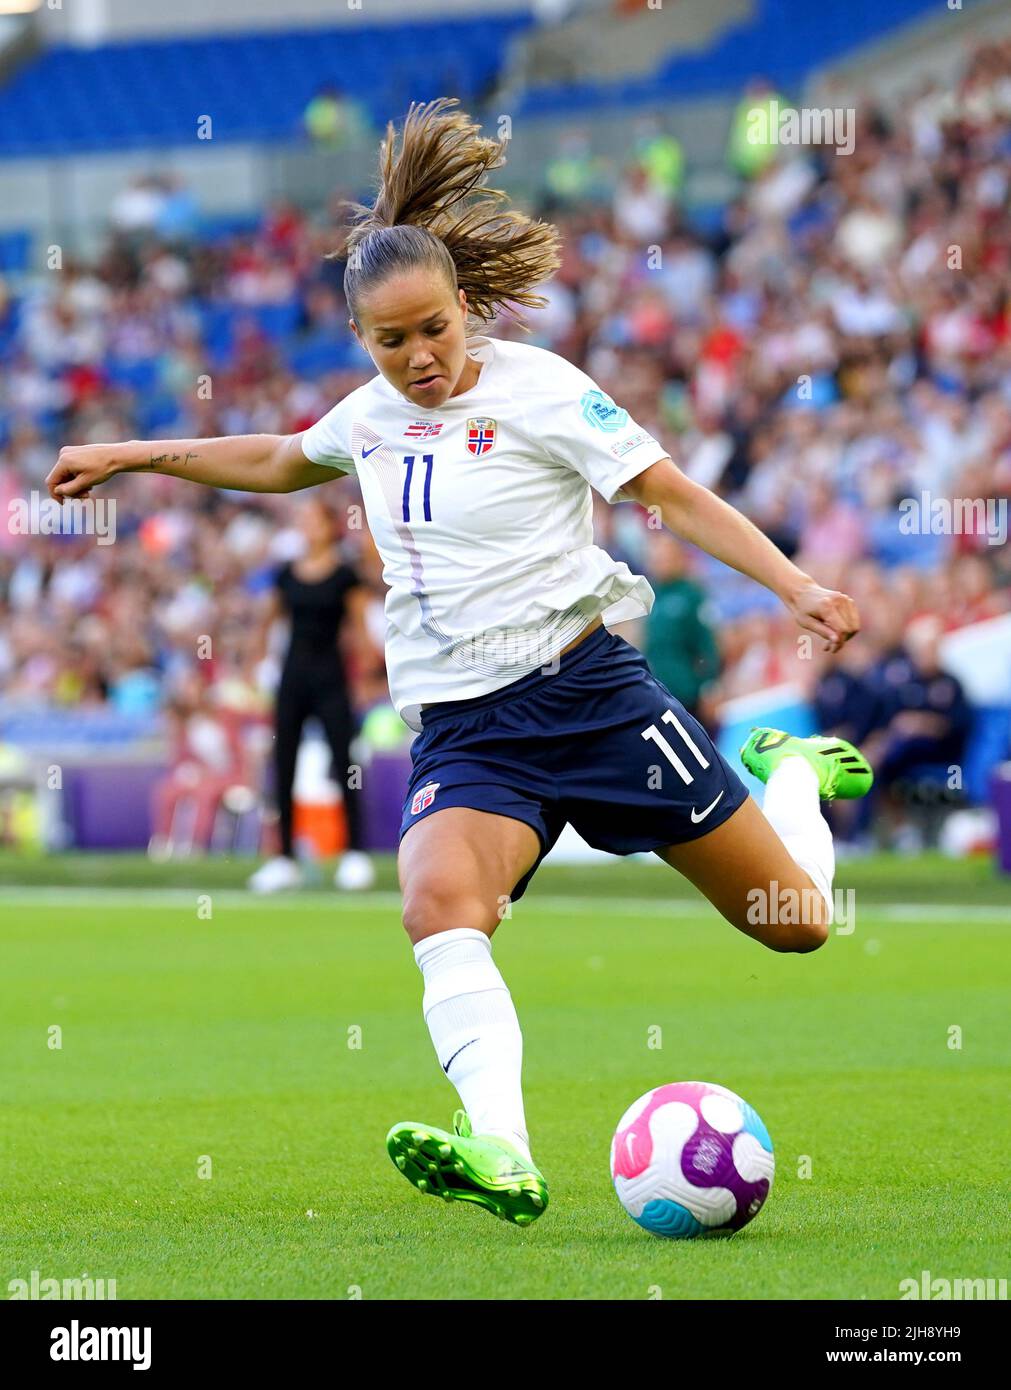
x: 464, y: 1167
x: 843, y: 771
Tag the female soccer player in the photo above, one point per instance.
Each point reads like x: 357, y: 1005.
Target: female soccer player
x: 475, y: 458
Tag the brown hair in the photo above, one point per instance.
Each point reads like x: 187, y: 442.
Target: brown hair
x: 432, y: 209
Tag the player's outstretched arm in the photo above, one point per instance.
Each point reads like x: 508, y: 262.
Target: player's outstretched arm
x: 699, y: 516
x: 245, y: 462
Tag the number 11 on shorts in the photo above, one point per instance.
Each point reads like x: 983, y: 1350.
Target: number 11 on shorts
x: 653, y: 733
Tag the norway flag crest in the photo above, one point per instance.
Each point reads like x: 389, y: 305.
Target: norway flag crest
x: 481, y: 435
x: 424, y: 797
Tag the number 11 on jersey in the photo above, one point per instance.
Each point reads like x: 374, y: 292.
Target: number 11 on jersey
x: 427, y: 460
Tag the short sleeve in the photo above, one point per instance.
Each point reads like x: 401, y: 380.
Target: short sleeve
x: 329, y: 441
x: 586, y: 430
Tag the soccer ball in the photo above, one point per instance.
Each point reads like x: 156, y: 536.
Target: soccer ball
x: 691, y: 1158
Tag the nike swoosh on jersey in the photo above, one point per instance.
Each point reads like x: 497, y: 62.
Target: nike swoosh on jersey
x: 701, y: 815
x: 366, y: 452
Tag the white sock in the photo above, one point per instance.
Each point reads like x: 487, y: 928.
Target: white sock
x: 470, y: 1015
x: 792, y: 807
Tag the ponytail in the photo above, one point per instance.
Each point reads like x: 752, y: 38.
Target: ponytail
x: 433, y: 210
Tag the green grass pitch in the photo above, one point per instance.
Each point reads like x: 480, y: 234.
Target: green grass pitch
x: 234, y: 1038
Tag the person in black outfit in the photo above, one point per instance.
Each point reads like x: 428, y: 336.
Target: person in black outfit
x: 929, y: 722
x: 319, y: 592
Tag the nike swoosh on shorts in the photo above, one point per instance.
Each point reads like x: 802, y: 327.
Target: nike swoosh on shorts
x: 698, y: 816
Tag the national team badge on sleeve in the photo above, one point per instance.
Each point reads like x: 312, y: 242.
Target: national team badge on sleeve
x: 424, y: 797
x: 481, y: 435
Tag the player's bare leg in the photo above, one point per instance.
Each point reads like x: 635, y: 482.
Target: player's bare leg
x: 457, y: 868
x: 770, y: 871
x: 736, y: 866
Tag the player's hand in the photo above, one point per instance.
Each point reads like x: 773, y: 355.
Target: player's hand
x: 79, y: 468
x: 826, y: 613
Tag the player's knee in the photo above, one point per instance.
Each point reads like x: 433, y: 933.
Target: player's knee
x: 812, y: 926
x: 789, y: 918
x: 437, y: 902
x: 809, y: 936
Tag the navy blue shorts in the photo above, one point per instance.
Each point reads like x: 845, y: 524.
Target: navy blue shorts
x: 599, y: 742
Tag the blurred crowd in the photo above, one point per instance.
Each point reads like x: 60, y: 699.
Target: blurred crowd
x: 838, y: 345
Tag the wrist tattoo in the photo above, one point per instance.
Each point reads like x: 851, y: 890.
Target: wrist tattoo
x: 156, y: 459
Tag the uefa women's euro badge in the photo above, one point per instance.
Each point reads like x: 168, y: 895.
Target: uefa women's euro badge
x: 601, y: 412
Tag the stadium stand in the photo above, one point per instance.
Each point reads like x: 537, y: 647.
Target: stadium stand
x: 834, y: 269
x: 112, y: 97
x: 784, y: 40
x: 109, y: 97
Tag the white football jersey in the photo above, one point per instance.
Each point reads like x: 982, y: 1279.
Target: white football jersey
x: 482, y: 513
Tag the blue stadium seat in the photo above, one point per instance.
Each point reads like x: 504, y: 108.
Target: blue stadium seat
x: 315, y: 358
x: 219, y: 321
x: 223, y: 226
x: 140, y: 375
x: 278, y: 320
x: 782, y: 40
x: 989, y: 744
x: 15, y: 254
x: 255, y: 86
x: 157, y: 413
